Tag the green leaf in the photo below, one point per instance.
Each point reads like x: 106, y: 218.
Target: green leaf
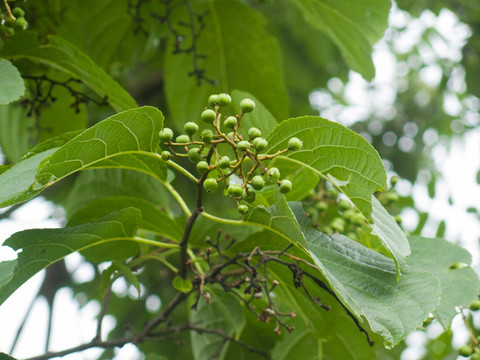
x: 13, y: 86
x: 17, y: 184
x: 126, y: 140
x: 16, y: 134
x: 110, y: 238
x: 6, y: 271
x: 4, y: 356
x: 183, y: 285
x: 459, y: 285
x: 387, y: 229
x: 354, y: 26
x: 239, y: 54
x: 223, y: 313
x: 154, y: 219
x: 129, y: 275
x: 318, y: 334
x: 366, y: 283
x: 61, y: 55
x: 336, y: 153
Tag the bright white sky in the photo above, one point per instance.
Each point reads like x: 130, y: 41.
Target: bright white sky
x: 72, y: 325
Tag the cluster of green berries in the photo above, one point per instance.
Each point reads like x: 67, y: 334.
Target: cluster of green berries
x: 472, y: 349
x: 17, y: 21
x: 222, y: 153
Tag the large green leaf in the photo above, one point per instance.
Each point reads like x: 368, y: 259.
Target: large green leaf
x: 354, y: 26
x: 223, y: 313
x: 13, y: 86
x: 42, y: 247
x: 335, y: 153
x: 318, y: 334
x: 16, y: 136
x: 125, y: 140
x: 391, y: 235
x: 459, y: 285
x: 6, y: 271
x: 60, y: 54
x: 17, y: 184
x: 239, y: 54
x: 366, y: 282
x: 154, y: 219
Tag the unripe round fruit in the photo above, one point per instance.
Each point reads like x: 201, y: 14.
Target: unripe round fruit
x: 235, y: 190
x: 208, y: 116
x: 285, y: 186
x: 391, y: 197
x: 398, y: 219
x: 294, y: 144
x: 475, y: 305
x: 260, y: 144
x: 194, y: 155
x: 10, y: 31
x: 273, y: 174
x: 190, y: 128
x: 249, y: 197
x: 207, y: 136
x: 182, y: 139
x: 166, y: 155
x: 230, y: 122
x: 321, y: 206
x: 338, y: 224
x: 210, y: 184
x: 18, y: 12
x: 21, y: 23
x: 213, y: 100
x: 230, y: 135
x: 243, y: 145
x: 202, y: 167
x: 465, y: 350
x: 243, y: 209
x: 358, y: 219
x: 224, y: 162
x: 475, y: 356
x: 257, y: 182
x: 166, y: 134
x: 224, y: 99
x: 254, y: 132
x: 247, y: 105
x: 343, y: 205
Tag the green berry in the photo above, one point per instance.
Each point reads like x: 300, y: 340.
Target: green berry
x: 249, y: 196
x: 224, y: 99
x: 295, y: 144
x: 358, y: 219
x: 243, y: 209
x: 235, y: 190
x: 257, y: 182
x: 166, y: 135
x: 247, y: 105
x: 207, y: 136
x: 194, y: 155
x: 475, y: 356
x: 213, y: 100
x: 254, y: 132
x: 338, y: 224
x: 349, y: 214
x: 182, y: 139
x: 10, y: 31
x: 243, y: 145
x: 18, y: 12
x: 202, y: 167
x: 210, y: 184
x: 260, y: 144
x: 224, y: 162
x: 230, y: 122
x: 166, y: 155
x: 190, y: 128
x: 391, y: 197
x: 343, y: 205
x: 398, y: 219
x: 21, y: 23
x: 208, y: 116
x: 465, y: 350
x: 321, y: 206
x: 475, y: 305
x: 273, y: 174
x: 285, y: 186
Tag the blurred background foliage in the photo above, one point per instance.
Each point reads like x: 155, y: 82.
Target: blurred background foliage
x: 425, y: 96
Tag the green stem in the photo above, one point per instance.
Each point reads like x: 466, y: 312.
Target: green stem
x: 179, y: 198
x: 159, y: 244
x: 182, y: 170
